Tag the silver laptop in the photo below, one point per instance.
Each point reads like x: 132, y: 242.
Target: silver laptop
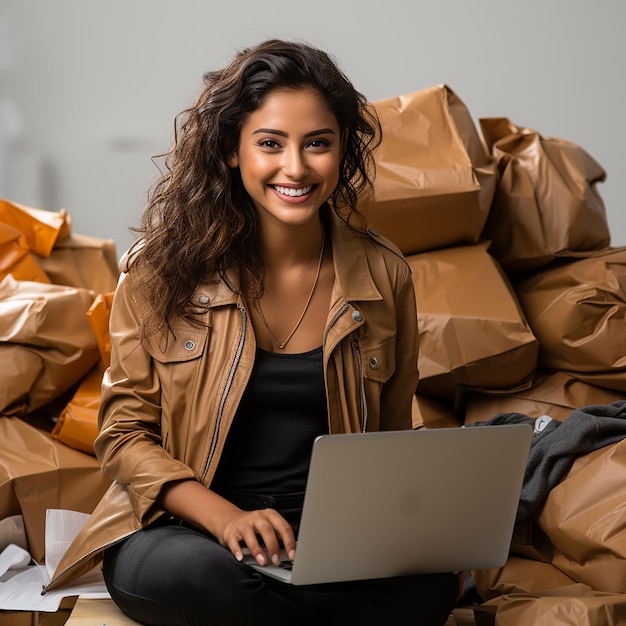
x: 388, y: 504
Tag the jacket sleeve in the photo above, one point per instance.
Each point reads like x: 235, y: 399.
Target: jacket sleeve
x: 397, y: 393
x: 129, y: 444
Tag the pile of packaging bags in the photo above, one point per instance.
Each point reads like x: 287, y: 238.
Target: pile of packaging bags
x: 521, y: 304
x: 52, y: 345
x: 522, y: 309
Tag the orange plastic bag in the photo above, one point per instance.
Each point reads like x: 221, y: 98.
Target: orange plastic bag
x: 77, y: 425
x: 16, y: 258
x: 42, y: 229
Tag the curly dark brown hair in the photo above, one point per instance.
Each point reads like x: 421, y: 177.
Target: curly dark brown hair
x: 199, y: 221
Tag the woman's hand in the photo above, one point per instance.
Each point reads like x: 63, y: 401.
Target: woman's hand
x: 255, y: 529
x: 233, y: 528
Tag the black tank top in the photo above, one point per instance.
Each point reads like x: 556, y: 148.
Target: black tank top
x: 283, y: 409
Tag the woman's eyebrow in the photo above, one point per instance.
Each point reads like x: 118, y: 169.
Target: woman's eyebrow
x: 282, y: 133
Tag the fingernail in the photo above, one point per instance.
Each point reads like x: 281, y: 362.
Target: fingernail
x: 292, y: 554
x: 276, y: 560
x: 239, y: 556
x: 260, y: 559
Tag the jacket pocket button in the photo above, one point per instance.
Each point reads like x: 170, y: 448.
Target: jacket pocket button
x: 189, y: 345
x: 357, y: 316
x: 204, y: 299
x: 374, y: 363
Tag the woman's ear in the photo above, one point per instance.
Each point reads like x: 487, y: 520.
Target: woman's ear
x: 233, y: 160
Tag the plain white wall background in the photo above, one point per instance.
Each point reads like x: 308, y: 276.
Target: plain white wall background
x: 89, y: 90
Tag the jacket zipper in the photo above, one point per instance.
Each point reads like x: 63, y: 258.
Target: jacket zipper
x: 359, y: 360
x: 225, y: 393
x: 357, y: 353
x: 336, y: 316
x: 227, y: 387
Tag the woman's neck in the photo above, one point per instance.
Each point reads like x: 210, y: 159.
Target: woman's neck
x: 285, y: 247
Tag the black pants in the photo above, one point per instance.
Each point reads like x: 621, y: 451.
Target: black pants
x: 171, y: 574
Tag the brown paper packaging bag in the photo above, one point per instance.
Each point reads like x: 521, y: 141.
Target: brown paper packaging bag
x: 526, y: 591
x: 574, y: 605
x: 555, y: 394
x: 41, y: 229
x: 16, y: 258
x: 434, y: 178
x: 579, y: 542
x: 429, y: 413
x: 546, y: 202
x: 519, y: 575
x: 577, y: 311
x: 584, y: 518
x: 82, y: 261
x: 46, y: 343
x: 39, y: 473
x: 472, y: 330
x: 77, y: 425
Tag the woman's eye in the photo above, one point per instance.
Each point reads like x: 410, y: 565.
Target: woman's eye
x: 319, y: 143
x: 270, y: 144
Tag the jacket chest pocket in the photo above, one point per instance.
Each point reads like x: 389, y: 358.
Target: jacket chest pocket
x: 187, y: 344
x: 177, y: 360
x: 379, y: 361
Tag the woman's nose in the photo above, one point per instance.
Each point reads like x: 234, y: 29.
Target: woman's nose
x: 294, y: 164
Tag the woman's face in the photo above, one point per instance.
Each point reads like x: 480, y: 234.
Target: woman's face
x: 288, y: 156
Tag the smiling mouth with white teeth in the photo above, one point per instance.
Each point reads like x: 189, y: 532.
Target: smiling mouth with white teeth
x: 293, y: 192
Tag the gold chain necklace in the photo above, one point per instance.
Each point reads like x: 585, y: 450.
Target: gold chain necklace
x: 257, y: 304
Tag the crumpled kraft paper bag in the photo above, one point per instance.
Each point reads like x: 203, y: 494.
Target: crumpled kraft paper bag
x: 434, y: 179
x: 577, y: 311
x: 471, y: 328
x: 39, y: 473
x: 519, y: 575
x: 41, y: 229
x: 567, y: 606
x: 77, y: 424
x: 82, y: 261
x: 46, y: 343
x: 555, y: 394
x: 546, y: 203
x: 584, y: 517
x: 16, y: 258
x: 429, y: 413
x: 531, y: 592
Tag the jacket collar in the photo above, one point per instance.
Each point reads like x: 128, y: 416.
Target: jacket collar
x: 353, y: 279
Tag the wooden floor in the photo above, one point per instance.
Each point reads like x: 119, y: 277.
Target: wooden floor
x: 98, y: 612
x: 104, y: 612
x: 462, y: 617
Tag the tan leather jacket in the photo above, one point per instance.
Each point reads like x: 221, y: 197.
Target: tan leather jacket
x: 168, y: 403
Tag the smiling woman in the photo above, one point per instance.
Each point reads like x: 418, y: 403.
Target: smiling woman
x: 256, y: 313
x: 289, y: 158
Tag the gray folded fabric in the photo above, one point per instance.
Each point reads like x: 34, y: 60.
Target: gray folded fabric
x: 556, y: 445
